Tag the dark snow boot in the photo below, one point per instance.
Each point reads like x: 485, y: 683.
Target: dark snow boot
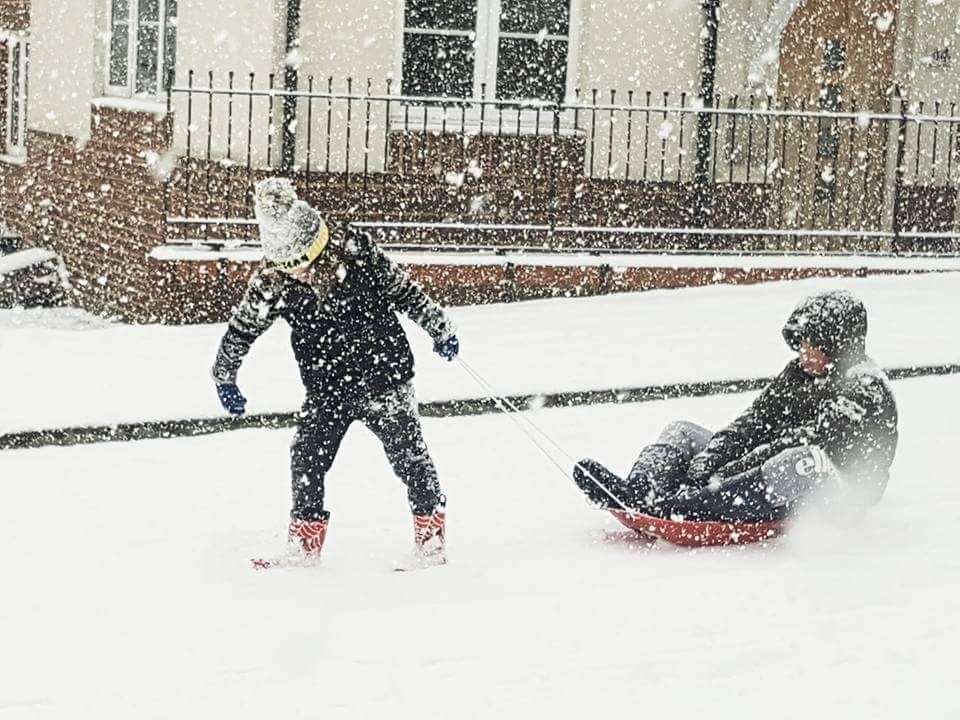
x: 590, y: 475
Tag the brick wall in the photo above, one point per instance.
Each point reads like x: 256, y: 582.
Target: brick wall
x: 101, y: 208
x: 14, y: 15
x: 208, y: 189
x: 507, y: 283
x: 209, y: 290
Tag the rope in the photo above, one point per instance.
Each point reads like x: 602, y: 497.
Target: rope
x: 516, y: 415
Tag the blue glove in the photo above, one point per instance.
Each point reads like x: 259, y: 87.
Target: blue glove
x: 231, y: 398
x: 448, y: 348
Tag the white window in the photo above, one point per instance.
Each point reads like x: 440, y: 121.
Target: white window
x: 143, y: 46
x: 517, y: 49
x: 18, y: 68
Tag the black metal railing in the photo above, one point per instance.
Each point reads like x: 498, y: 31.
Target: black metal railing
x: 623, y: 165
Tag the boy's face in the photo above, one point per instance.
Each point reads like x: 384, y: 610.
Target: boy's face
x: 813, y: 360
x: 319, y: 274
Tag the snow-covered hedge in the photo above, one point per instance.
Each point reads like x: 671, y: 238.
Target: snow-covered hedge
x: 33, y: 277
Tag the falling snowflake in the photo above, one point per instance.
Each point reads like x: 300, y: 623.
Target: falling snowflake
x: 294, y: 59
x: 536, y: 402
x: 160, y: 166
x: 477, y: 203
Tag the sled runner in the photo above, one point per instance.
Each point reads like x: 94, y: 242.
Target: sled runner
x: 694, y: 533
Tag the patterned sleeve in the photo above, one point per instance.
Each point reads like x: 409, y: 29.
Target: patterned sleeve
x: 250, y: 319
x: 405, y: 294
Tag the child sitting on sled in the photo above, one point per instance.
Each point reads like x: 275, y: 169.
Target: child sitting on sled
x: 825, y: 427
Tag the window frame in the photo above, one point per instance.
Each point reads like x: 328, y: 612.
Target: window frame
x: 20, y: 94
x: 487, y: 41
x: 129, y: 89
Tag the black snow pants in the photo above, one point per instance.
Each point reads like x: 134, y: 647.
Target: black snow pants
x: 393, y: 418
x: 656, y: 484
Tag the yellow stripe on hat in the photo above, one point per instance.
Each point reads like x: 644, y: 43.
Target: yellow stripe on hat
x: 319, y: 244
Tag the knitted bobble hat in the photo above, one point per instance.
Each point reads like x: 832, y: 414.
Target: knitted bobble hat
x: 292, y: 233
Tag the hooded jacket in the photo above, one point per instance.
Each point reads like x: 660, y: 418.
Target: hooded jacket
x: 850, y: 413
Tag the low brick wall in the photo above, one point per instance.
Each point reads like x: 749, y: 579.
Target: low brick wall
x: 506, y: 283
x: 100, y: 206
x: 14, y: 15
x: 215, y: 286
x: 203, y: 189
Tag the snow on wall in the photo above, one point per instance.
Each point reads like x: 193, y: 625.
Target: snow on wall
x: 24, y: 259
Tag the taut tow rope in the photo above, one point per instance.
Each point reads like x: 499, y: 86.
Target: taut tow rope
x: 517, y: 416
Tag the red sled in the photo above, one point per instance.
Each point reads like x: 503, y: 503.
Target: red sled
x: 699, y: 533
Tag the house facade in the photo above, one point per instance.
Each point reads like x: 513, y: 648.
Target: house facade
x: 133, y: 129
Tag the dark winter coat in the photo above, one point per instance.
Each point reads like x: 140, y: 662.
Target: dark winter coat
x: 348, y: 343
x: 850, y: 413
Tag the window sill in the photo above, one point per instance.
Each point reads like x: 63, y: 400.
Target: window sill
x: 18, y: 159
x: 142, y: 105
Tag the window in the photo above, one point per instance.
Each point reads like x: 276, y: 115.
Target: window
x: 532, y: 49
x: 519, y: 49
x: 18, y: 67
x: 143, y: 46
x: 828, y: 131
x: 438, y: 47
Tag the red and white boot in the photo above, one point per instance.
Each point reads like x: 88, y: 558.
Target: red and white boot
x: 304, y: 543
x: 429, y: 550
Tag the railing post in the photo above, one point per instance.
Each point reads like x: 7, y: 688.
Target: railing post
x: 554, y: 202
x: 708, y: 68
x: 188, y: 166
x: 290, y: 83
x: 168, y: 177
x: 899, y: 169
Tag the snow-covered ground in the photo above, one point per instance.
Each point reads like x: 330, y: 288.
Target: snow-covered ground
x: 127, y: 591
x: 84, y: 372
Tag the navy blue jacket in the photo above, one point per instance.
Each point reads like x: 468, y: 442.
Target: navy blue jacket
x: 347, y: 340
